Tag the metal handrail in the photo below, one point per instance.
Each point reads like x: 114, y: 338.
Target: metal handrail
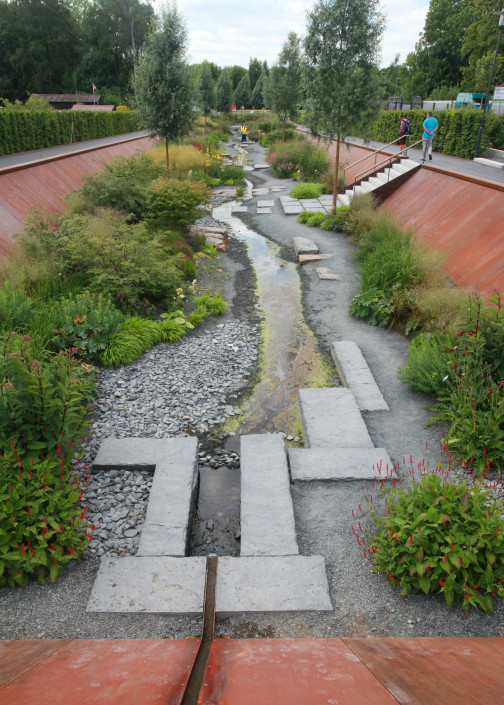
x: 389, y: 158
x: 375, y: 152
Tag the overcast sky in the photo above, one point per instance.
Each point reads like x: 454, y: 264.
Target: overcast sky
x: 229, y: 32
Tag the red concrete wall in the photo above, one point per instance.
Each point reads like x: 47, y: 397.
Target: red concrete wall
x: 45, y: 185
x: 463, y: 219
x: 460, y: 216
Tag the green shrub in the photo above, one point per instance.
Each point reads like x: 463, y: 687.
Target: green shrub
x: 126, y: 345
x: 307, y: 190
x: 41, y: 525
x: 440, y: 535
x: 174, y: 326
x: 176, y: 204
x: 127, y: 261
x: 43, y: 403
x: 304, y: 216
x: 337, y: 221
x: 88, y: 321
x: 315, y: 219
x: 426, y: 367
x: 311, y: 161
x: 125, y: 184
x: 214, y: 304
x: 16, y: 308
x: 197, y: 316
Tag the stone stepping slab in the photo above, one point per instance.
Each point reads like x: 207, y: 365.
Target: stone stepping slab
x: 325, y: 273
x: 149, y: 584
x: 331, y: 418
x: 355, y: 374
x: 272, y: 584
x: 304, y: 246
x: 307, y: 259
x: 239, y: 209
x: 267, y: 514
x: 308, y: 464
x: 265, y: 204
x: 264, y: 211
x: 169, y: 511
x: 262, y: 165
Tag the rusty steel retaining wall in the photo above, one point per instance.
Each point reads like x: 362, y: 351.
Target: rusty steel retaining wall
x: 45, y: 183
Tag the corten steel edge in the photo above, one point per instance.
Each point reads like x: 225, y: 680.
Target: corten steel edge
x: 45, y: 183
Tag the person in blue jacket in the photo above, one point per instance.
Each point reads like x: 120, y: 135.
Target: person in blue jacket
x: 430, y: 126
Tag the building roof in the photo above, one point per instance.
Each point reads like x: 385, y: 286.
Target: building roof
x: 71, y: 97
x: 83, y: 106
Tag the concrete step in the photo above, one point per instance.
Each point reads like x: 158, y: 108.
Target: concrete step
x: 149, y: 584
x: 366, y: 186
x: 331, y: 419
x: 311, y: 464
x: 492, y: 153
x: 271, y: 584
x: 409, y: 163
x: 395, y: 173
x: 169, y: 511
x: 342, y: 200
x: 349, y: 194
x: 359, y: 190
x: 354, y: 373
x: 375, y: 181
x: 400, y: 167
x: 382, y: 176
x: 267, y: 514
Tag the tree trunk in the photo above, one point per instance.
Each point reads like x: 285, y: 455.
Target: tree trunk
x: 167, y: 156
x: 283, y: 134
x: 336, y: 170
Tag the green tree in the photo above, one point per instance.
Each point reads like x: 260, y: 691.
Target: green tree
x: 285, y: 79
x: 162, y: 86
x: 258, y: 92
x: 478, y: 46
x: 242, y: 93
x: 206, y: 90
x: 224, y: 92
x: 341, y: 50
x: 254, y: 71
x: 236, y: 73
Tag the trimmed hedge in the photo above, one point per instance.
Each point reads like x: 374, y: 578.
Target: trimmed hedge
x: 456, y: 134
x: 21, y: 131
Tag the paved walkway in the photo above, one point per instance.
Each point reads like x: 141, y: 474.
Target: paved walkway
x: 34, y: 154
x: 255, y: 671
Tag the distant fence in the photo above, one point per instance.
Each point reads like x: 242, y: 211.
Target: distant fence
x: 496, y: 106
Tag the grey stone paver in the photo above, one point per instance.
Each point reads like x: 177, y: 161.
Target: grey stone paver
x: 166, y: 527
x: 310, y: 203
x: 292, y: 210
x: 265, y: 204
x: 239, y: 209
x: 325, y: 273
x: 260, y: 191
x: 304, y: 246
x: 331, y: 419
x: 272, y: 584
x: 264, y: 211
x: 262, y: 165
x: 162, y: 585
x: 310, y: 464
x: 267, y: 514
x: 355, y: 374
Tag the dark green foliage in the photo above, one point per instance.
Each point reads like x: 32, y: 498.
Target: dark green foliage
x: 41, y: 401
x: 456, y: 134
x: 126, y: 345
x: 176, y: 204
x: 228, y: 174
x: 440, y: 535
x: 87, y: 322
x: 125, y: 184
x: 214, y: 304
x: 41, y: 524
x: 427, y: 367
x: 311, y: 161
x: 336, y: 221
x: 21, y: 131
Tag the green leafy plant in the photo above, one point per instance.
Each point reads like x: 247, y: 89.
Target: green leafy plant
x: 126, y: 345
x: 177, y: 204
x: 214, y: 304
x: 174, y: 326
x: 315, y: 220
x: 307, y: 189
x: 199, y: 314
x: 427, y: 368
x: 240, y: 191
x: 336, y: 221
x: 88, y: 321
x: 42, y: 401
x: 439, y: 534
x: 41, y: 524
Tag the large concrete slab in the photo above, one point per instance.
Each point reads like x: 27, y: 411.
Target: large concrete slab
x: 355, y: 374
x: 304, y: 246
x: 267, y: 514
x: 169, y: 511
x: 272, y: 584
x: 331, y: 419
x: 292, y: 209
x: 239, y: 209
x: 264, y: 211
x: 265, y: 204
x: 160, y: 585
x: 309, y: 464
